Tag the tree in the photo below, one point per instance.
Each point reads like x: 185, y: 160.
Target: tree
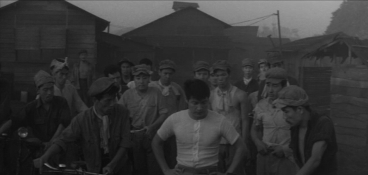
x: 350, y: 18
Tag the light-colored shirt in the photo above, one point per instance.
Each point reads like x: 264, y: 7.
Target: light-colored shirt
x: 198, y: 140
x: 173, y: 96
x: 76, y: 105
x: 276, y: 131
x: 143, y: 110
x: 223, y: 103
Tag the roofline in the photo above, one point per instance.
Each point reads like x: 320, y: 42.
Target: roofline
x: 172, y: 14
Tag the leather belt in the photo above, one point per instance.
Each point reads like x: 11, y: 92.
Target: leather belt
x: 204, y: 170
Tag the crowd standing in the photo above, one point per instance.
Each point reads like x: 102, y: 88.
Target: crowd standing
x: 135, y: 121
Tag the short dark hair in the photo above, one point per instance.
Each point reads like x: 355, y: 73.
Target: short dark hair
x: 111, y: 69
x: 227, y: 70
x: 197, y: 89
x: 145, y: 61
x: 267, y: 64
x: 112, y: 90
x: 283, y: 83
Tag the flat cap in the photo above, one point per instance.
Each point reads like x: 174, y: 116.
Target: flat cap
x: 247, y: 62
x: 167, y: 64
x: 291, y: 96
x: 262, y: 61
x: 58, y: 64
x: 100, y: 85
x: 141, y: 69
x: 42, y: 77
x: 276, y: 75
x: 201, y: 65
x: 220, y: 65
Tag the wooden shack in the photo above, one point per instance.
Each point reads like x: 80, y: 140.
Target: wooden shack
x: 32, y: 33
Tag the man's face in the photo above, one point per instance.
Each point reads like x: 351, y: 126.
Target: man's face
x: 106, y: 104
x: 116, y: 77
x: 201, y: 75
x: 247, y: 71
x: 222, y: 78
x: 165, y: 75
x: 198, y: 108
x: 141, y: 82
x: 263, y: 67
x: 61, y: 76
x: 46, y: 92
x: 125, y: 68
x: 293, y: 116
x: 273, y: 89
x: 83, y: 56
x: 213, y: 80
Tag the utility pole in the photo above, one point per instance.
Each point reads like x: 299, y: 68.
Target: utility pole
x: 279, y: 27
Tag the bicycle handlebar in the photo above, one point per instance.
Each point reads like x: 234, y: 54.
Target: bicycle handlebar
x: 68, y: 171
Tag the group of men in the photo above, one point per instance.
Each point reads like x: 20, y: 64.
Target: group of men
x: 141, y: 125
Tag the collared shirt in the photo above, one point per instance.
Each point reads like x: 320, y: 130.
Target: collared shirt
x: 320, y: 128
x: 276, y: 131
x: 76, y: 105
x: 44, y: 123
x: 175, y: 100
x: 224, y: 105
x: 144, y: 110
x: 85, y: 128
x: 198, y: 141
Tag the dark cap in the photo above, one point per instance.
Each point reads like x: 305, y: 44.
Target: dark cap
x: 262, y: 61
x: 100, y: 85
x: 141, y: 69
x: 276, y: 75
x: 42, y: 77
x: 201, y: 65
x: 125, y: 61
x: 247, y: 62
x: 167, y: 64
x: 221, y: 65
x: 291, y: 96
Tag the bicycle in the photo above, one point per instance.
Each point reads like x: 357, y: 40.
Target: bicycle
x: 63, y: 170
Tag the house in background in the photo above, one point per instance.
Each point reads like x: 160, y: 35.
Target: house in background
x: 32, y: 33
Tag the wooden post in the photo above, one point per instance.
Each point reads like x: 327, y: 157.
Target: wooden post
x: 279, y: 27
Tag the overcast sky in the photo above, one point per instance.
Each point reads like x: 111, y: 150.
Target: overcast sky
x: 309, y: 17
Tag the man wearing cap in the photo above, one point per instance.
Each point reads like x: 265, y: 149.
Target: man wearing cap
x: 212, y: 80
x: 153, y: 75
x: 201, y: 70
x: 248, y: 84
x: 82, y: 76
x: 102, y: 131
x: 113, y: 71
x: 60, y: 70
x: 263, y: 66
x: 313, y: 139
x: 198, y: 133
x: 174, y: 99
x: 232, y: 103
x: 147, y: 112
x: 46, y: 116
x: 126, y: 73
x: 270, y: 131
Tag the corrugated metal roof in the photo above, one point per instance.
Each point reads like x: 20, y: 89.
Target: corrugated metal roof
x: 124, y: 44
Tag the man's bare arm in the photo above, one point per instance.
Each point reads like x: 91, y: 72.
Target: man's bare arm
x: 157, y: 147
x: 315, y: 160
x: 240, y: 149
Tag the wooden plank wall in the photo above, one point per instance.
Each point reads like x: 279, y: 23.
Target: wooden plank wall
x: 349, y: 101
x: 316, y: 82
x: 53, y: 19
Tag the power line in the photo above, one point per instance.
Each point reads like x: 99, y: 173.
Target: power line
x: 258, y: 21
x: 252, y: 19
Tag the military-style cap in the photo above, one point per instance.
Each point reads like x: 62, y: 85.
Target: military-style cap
x: 201, y: 65
x: 42, y: 78
x: 124, y: 60
x: 141, y: 69
x: 291, y: 96
x: 58, y: 64
x: 100, y: 85
x: 167, y: 64
x: 221, y: 65
x: 262, y: 61
x: 247, y: 62
x: 276, y: 75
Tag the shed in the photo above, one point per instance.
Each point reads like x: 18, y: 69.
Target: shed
x: 185, y: 36
x: 32, y: 33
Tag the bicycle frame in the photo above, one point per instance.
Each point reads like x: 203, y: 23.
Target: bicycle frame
x: 67, y: 171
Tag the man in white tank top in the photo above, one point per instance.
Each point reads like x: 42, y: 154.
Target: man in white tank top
x: 233, y: 103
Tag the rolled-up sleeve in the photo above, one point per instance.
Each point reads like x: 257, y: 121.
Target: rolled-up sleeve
x: 166, y: 129
x: 228, y: 132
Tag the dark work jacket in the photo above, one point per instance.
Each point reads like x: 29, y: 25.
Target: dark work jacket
x: 320, y: 128
x: 85, y: 130
x: 250, y: 88
x: 43, y: 123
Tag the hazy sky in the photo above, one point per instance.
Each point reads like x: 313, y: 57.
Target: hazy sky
x: 310, y: 17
